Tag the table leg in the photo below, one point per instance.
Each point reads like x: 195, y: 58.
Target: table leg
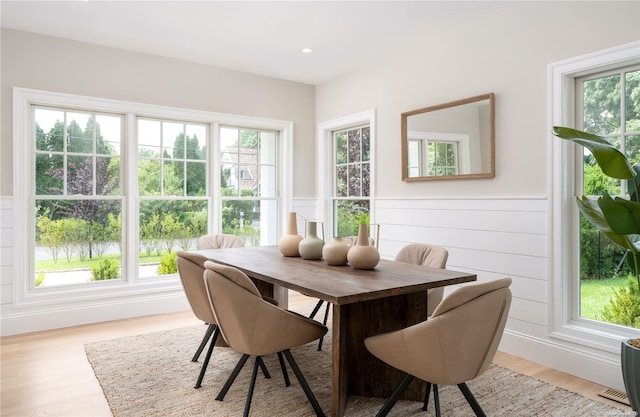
x: 339, y: 370
x: 354, y: 370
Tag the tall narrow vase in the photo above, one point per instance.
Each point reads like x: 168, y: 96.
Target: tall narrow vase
x: 362, y: 255
x: 311, y: 246
x: 289, y: 243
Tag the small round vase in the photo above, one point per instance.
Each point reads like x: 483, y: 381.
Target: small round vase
x: 289, y: 243
x: 362, y: 255
x: 311, y: 246
x: 335, y: 252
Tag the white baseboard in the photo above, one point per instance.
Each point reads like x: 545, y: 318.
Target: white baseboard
x: 597, y: 369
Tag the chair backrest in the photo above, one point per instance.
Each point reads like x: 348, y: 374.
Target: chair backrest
x: 191, y: 271
x: 248, y: 323
x: 472, y: 321
x: 351, y: 240
x: 427, y: 255
x: 219, y: 241
x: 423, y: 254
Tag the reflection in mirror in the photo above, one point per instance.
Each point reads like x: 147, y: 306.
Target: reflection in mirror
x: 449, y: 141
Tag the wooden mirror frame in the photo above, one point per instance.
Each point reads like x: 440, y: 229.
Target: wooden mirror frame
x: 405, y: 148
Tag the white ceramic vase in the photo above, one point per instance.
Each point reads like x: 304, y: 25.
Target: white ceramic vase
x: 362, y: 255
x: 335, y: 252
x: 289, y: 243
x: 311, y: 246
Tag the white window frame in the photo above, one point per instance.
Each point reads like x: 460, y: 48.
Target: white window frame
x: 325, y: 161
x: 564, y: 158
x: 23, y: 146
x: 462, y: 139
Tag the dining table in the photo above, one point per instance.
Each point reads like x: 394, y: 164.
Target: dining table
x: 391, y: 296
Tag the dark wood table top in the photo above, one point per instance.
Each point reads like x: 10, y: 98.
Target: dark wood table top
x: 335, y: 284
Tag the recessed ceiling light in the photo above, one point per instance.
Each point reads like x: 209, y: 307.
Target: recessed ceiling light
x: 307, y: 50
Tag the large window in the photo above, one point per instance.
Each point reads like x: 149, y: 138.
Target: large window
x: 597, y: 92
x: 609, y: 106
x: 352, y: 179
x: 109, y: 191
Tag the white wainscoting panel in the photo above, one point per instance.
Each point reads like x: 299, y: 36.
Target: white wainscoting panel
x: 6, y: 250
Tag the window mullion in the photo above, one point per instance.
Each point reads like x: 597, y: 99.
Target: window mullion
x: 131, y: 203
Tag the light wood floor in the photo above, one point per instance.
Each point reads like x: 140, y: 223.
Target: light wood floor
x: 47, y: 373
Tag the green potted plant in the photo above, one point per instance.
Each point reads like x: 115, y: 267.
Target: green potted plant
x: 619, y: 220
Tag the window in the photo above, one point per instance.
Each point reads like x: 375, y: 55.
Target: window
x: 609, y: 104
x: 443, y: 158
x: 248, y: 181
x: 172, y: 189
x: 574, y: 103
x: 112, y: 189
x: 351, y: 175
x: 78, y: 193
x: 437, y: 153
x: 346, y: 178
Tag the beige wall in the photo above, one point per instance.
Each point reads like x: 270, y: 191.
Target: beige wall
x: 52, y: 64
x: 506, y: 53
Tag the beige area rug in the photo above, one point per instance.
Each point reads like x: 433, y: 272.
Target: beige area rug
x: 152, y: 375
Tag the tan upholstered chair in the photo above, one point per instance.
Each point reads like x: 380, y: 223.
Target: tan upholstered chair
x: 255, y: 327
x: 191, y: 271
x: 219, y: 241
x: 427, y: 255
x: 454, y: 346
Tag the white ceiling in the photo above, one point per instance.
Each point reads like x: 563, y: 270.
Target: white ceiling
x: 261, y: 37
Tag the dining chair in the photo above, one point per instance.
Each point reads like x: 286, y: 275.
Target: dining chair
x: 253, y: 327
x: 191, y: 271
x: 427, y: 255
x: 454, y: 346
x: 350, y: 241
x: 219, y: 241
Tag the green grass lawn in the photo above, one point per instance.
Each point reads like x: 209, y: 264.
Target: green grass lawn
x: 596, y: 293
x: 76, y: 263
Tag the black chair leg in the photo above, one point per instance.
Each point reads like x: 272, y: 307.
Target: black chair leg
x: 426, y: 397
x: 285, y: 374
x: 205, y: 364
x: 471, y: 400
x: 232, y: 377
x: 303, y: 383
x: 252, y: 385
x: 263, y: 367
x: 316, y: 308
x: 436, y: 399
x: 388, y: 405
x: 326, y: 317
x: 205, y: 339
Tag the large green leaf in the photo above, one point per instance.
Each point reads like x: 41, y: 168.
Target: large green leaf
x: 623, y: 216
x: 612, y: 162
x: 591, y: 211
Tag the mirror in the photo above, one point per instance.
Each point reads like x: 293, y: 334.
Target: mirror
x: 450, y: 141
